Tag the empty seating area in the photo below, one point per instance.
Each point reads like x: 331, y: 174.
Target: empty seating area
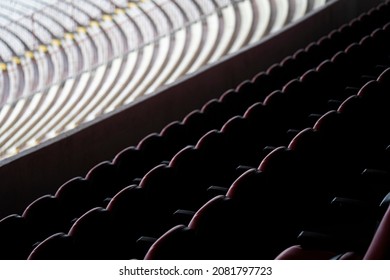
x: 290, y: 164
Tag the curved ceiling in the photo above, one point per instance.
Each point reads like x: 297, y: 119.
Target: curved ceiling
x: 63, y: 63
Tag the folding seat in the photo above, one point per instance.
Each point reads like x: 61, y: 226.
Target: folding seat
x: 325, y: 71
x: 219, y: 233
x: 384, y: 34
x: 244, y: 141
x: 263, y: 84
x: 345, y: 82
x: 374, y: 96
x: 96, y: 237
x: 374, y: 51
x: 151, y: 205
x: 315, y: 54
x: 152, y: 149
x: 237, y: 101
x: 384, y: 79
x: 362, y: 25
x: 216, y: 158
x: 372, y: 91
x: 348, y: 225
x: 349, y: 232
x: 219, y: 230
x: 328, y: 45
x: 145, y: 210
x: 256, y: 113
x: 292, y: 65
x: 305, y: 174
x: 376, y: 17
x: 336, y: 139
x: 369, y: 53
x: 127, y: 210
x: 130, y: 164
x: 277, y: 104
x: 178, y: 243
x: 274, y: 185
x: 247, y: 186
x: 300, y: 96
x: 341, y: 124
x: 344, y: 70
x: 75, y: 197
x: 379, y: 248
x: 296, y: 252
x: 288, y: 110
x: 103, y: 179
x: 369, y: 115
x: 313, y: 163
x: 238, y: 143
x: 164, y: 194
x: 45, y: 217
x: 181, y: 185
x: 277, y: 71
x: 197, y: 124
x: 380, y: 44
x: 375, y: 184
x: 202, y: 239
x: 59, y: 246
x: 176, y: 135
x: 189, y: 167
x: 192, y: 171
x: 341, y: 37
x: 40, y: 219
x: 303, y: 60
x: 216, y: 113
x: 156, y: 148
x: 346, y: 150
x: 16, y: 240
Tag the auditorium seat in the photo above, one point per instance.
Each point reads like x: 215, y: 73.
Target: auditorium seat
x: 333, y: 129
x: 177, y: 243
x: 16, y: 240
x: 265, y: 123
x: 56, y: 247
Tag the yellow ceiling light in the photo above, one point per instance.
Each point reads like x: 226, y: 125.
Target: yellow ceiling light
x: 43, y: 48
x: 107, y: 18
x: 131, y: 5
x: 119, y: 11
x: 69, y: 36
x: 81, y: 29
x: 94, y: 23
x: 16, y: 60
x: 29, y: 54
x: 56, y: 42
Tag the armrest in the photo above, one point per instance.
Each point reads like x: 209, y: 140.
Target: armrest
x: 334, y: 104
x: 216, y: 190
x: 350, y: 204
x: 376, y: 176
x: 143, y: 245
x: 335, y: 241
x: 385, y: 203
x: 291, y: 133
x: 319, y: 241
x: 313, y: 118
x: 136, y: 181
x: 377, y: 182
x: 351, y: 215
x: 182, y: 217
